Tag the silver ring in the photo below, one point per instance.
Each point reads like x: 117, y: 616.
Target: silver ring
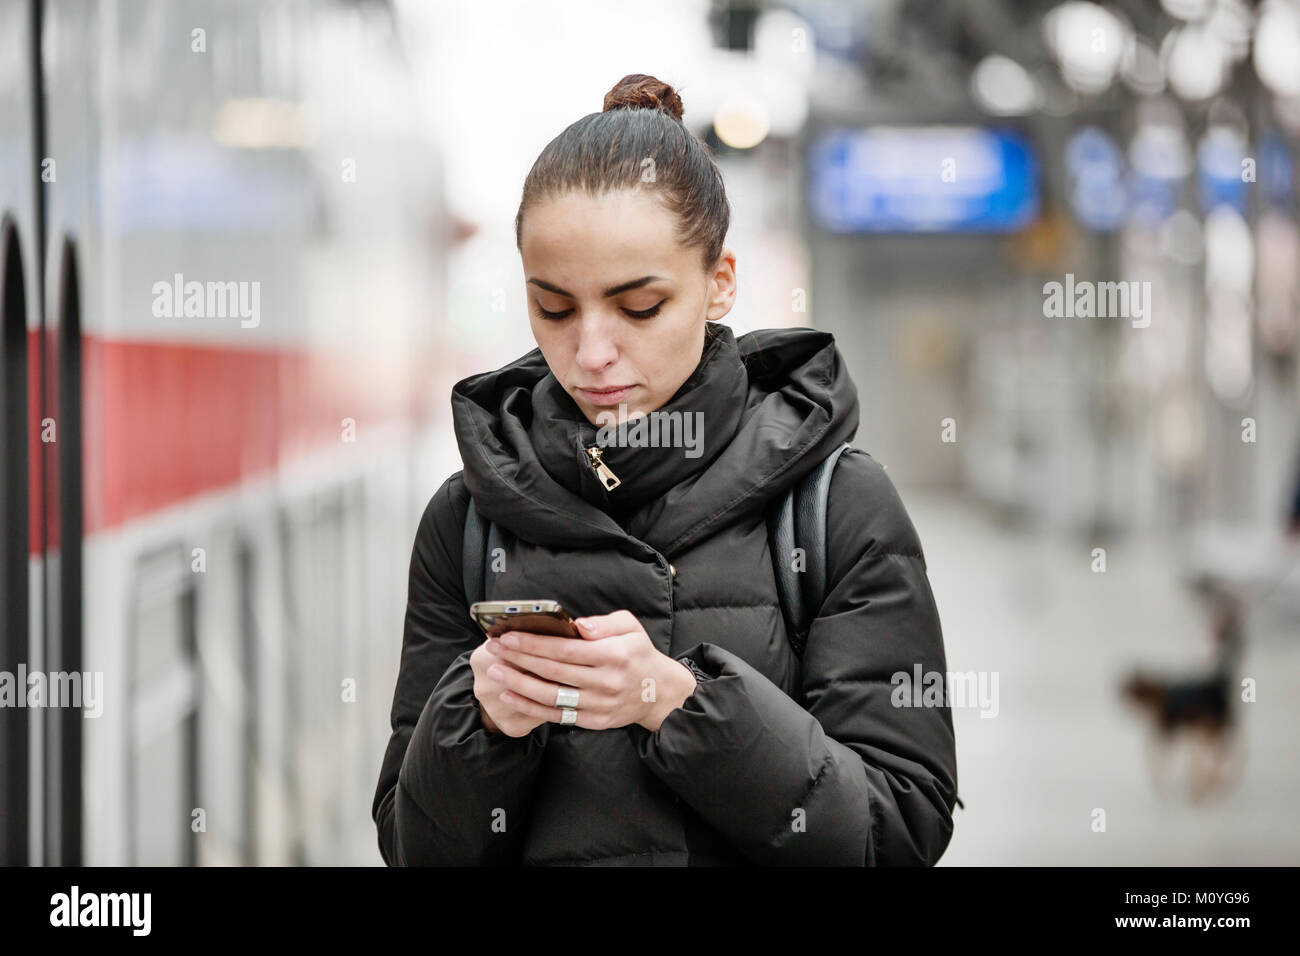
x: 566, y: 697
x: 568, y: 715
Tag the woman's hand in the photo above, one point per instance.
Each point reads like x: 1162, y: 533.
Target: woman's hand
x: 620, y: 676
x: 498, y: 716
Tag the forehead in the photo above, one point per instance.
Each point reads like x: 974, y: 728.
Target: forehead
x: 582, y: 240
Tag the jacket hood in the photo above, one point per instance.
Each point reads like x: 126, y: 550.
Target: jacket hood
x: 757, y: 414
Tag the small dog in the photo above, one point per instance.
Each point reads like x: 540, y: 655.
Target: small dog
x: 1175, y: 705
x: 1199, y: 708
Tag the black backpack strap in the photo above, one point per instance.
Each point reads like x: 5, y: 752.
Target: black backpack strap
x: 482, y: 538
x: 799, y: 521
x: 780, y: 539
x: 810, y: 533
x: 472, y: 553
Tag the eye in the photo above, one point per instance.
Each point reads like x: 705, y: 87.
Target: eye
x: 649, y: 313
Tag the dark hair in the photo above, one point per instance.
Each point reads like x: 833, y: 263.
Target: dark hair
x: 602, y: 152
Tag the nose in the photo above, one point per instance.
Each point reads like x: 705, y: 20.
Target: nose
x: 596, y: 346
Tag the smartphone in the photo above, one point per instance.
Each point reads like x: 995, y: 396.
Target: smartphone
x: 533, y: 616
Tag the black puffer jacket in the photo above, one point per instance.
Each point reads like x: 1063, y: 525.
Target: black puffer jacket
x: 770, y: 761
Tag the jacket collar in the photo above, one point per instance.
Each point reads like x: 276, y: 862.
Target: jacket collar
x: 770, y: 405
x: 670, y: 446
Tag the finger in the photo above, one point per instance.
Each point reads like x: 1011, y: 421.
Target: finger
x: 607, y: 625
x: 493, y: 682
x: 587, y: 720
x: 540, y: 691
x: 524, y: 684
x: 530, y: 707
x: 574, y: 675
x: 564, y: 649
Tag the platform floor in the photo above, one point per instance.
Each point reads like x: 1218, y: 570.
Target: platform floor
x: 1064, y: 743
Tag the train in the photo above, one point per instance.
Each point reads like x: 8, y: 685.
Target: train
x: 223, y: 249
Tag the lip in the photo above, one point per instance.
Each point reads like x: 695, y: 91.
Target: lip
x: 606, y: 396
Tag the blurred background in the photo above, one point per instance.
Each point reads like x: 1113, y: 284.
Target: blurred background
x: 210, y: 501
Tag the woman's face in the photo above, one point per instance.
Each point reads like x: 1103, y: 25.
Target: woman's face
x: 629, y: 302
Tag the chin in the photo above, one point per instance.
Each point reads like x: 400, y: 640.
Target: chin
x: 609, y: 414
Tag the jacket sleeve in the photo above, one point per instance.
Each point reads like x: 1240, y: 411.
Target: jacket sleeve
x: 842, y: 776
x: 450, y: 792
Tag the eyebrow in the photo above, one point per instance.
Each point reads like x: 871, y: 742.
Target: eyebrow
x: 611, y: 291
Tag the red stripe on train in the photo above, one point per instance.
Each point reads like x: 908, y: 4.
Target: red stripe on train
x: 163, y: 422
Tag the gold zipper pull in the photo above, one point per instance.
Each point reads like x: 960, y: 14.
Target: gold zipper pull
x: 607, y: 477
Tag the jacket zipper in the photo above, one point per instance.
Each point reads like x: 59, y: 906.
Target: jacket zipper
x: 607, y: 477
x: 612, y: 481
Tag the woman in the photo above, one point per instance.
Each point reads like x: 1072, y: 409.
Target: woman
x: 700, y: 738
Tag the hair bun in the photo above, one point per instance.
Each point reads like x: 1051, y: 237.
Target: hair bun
x: 639, y: 91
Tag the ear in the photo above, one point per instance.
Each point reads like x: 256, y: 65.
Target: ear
x: 723, y: 280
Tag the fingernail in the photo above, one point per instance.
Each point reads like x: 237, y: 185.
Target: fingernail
x: 509, y: 640
x: 493, y: 647
x: 496, y: 671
